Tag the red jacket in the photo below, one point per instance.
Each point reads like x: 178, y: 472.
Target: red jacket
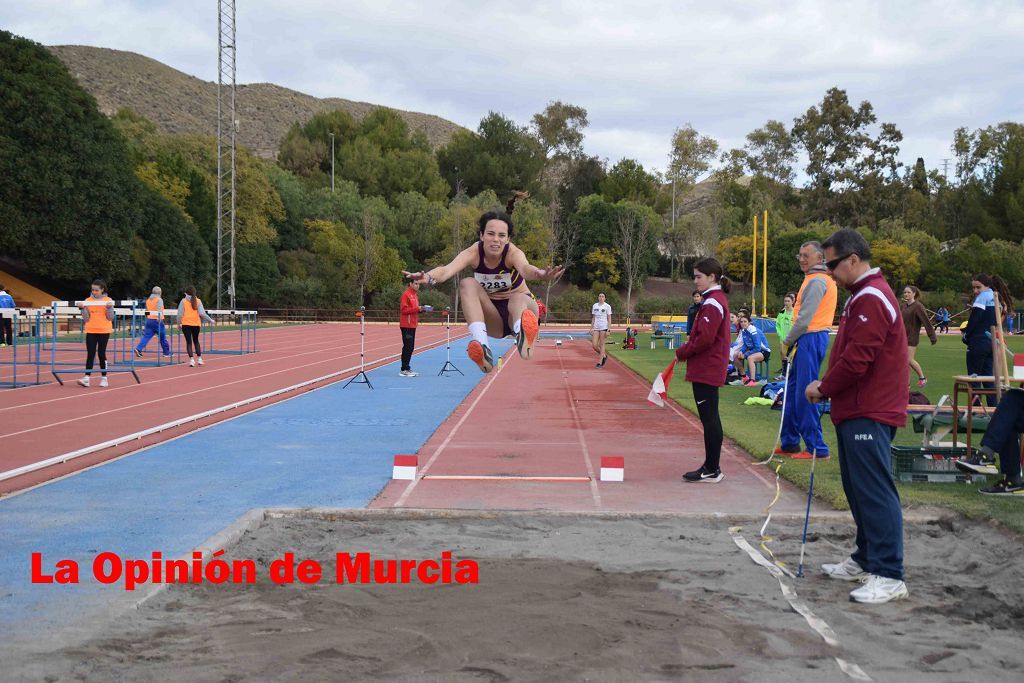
x: 409, y: 308
x: 867, y: 369
x: 706, y: 352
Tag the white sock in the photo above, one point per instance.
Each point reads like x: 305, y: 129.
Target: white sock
x: 517, y: 325
x: 479, y: 332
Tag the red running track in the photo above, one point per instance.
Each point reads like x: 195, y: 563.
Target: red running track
x: 555, y: 416
x: 47, y: 421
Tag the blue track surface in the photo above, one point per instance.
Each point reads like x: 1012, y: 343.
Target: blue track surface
x: 332, y: 447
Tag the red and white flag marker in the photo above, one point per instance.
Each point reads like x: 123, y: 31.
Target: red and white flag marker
x: 405, y: 467
x: 659, y: 390
x: 1018, y: 366
x: 613, y: 468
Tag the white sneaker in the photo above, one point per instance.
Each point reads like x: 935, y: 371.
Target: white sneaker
x: 103, y: 382
x: 847, y: 570
x: 878, y: 590
x: 200, y: 360
x: 84, y: 381
x: 191, y: 362
x: 407, y: 373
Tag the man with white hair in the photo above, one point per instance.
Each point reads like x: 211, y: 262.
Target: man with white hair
x: 154, y: 324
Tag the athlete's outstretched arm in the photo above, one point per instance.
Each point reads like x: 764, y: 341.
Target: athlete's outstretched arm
x: 464, y: 260
x: 517, y: 259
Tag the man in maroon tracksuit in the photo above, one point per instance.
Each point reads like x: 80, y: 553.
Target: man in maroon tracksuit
x: 409, y: 314
x: 706, y: 353
x: 867, y: 383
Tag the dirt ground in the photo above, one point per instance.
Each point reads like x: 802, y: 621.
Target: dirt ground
x: 567, y: 597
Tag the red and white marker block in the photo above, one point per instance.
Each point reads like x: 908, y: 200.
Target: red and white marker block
x: 1018, y: 366
x: 613, y: 468
x: 405, y: 467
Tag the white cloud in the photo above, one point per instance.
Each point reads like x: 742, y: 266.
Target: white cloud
x: 640, y: 69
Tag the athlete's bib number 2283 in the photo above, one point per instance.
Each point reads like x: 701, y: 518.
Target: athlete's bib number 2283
x: 494, y: 283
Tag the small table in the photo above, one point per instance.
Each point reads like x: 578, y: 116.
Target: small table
x: 968, y: 385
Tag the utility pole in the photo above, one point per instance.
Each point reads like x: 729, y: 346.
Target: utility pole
x: 227, y: 127
x: 332, y: 162
x: 945, y: 168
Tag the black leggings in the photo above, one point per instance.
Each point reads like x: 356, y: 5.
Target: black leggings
x: 706, y: 397
x: 191, y: 333
x: 96, y: 343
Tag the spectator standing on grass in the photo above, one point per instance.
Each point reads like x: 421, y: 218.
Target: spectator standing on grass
x: 6, y: 324
x: 98, y: 316
x: 692, y: 311
x: 783, y: 324
x: 154, y: 324
x: 813, y: 313
x: 942, y: 319
x: 1001, y: 436
x: 706, y: 354
x: 191, y: 315
x: 914, y: 316
x: 977, y: 332
x: 409, y: 318
x: 866, y: 382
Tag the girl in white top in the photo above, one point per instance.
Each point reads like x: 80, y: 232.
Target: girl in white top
x: 601, y: 315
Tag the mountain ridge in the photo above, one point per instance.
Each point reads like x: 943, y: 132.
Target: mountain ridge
x: 179, y: 103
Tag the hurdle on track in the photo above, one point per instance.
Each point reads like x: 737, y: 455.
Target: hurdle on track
x: 218, y: 338
x: 26, y: 325
x: 119, y: 347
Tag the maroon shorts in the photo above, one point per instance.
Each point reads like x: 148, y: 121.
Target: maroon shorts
x: 502, y: 306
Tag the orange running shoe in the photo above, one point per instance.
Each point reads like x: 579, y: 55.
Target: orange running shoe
x: 481, y: 355
x: 528, y: 328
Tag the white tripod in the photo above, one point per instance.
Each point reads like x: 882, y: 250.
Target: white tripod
x: 361, y: 377
x: 449, y: 366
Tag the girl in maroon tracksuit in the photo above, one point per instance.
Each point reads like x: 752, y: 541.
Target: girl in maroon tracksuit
x: 706, y: 353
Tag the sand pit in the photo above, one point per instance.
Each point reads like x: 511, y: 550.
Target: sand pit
x: 567, y: 597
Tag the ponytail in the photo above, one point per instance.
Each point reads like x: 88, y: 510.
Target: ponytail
x: 516, y: 196
x: 710, y: 266
x: 191, y: 291
x: 1003, y: 290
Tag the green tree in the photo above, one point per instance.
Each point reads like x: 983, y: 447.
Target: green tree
x: 898, y: 262
x: 69, y: 202
x: 499, y: 156
x: 627, y: 180
x: 603, y: 265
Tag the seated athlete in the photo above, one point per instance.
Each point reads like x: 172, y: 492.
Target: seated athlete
x: 496, y: 302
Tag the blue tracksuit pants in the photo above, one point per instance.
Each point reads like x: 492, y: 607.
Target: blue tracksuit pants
x: 801, y: 418
x: 864, y: 456
x: 154, y: 327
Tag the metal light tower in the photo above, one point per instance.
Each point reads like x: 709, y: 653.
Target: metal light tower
x: 227, y: 127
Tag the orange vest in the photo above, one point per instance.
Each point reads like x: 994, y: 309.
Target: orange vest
x: 191, y: 315
x: 826, y: 312
x: 98, y: 323
x: 153, y: 311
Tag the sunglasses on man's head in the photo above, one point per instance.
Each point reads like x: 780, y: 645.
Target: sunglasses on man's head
x: 834, y: 263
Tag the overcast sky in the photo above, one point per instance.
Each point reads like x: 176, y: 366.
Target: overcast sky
x: 640, y: 69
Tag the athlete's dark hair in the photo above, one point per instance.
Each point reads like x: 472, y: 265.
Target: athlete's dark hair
x: 999, y: 286
x: 101, y: 284
x: 191, y: 291
x: 915, y: 290
x: 504, y: 216
x: 710, y: 266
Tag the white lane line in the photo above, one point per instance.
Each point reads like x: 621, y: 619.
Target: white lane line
x: 444, y: 444
x: 594, y: 492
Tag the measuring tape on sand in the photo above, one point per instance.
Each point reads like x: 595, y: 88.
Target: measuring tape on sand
x: 799, y: 606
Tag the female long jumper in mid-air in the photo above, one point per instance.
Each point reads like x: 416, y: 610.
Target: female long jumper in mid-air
x: 496, y: 302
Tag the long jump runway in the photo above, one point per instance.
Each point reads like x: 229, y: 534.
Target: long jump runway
x: 532, y: 434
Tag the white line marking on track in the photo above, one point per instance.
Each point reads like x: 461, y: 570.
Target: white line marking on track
x: 594, y: 492
x: 444, y: 444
